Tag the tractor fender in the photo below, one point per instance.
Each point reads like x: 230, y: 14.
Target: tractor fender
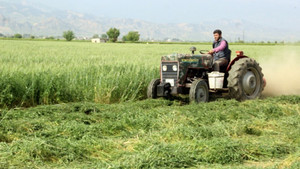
x: 265, y: 82
x: 234, y: 60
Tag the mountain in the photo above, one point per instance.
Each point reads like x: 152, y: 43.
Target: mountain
x: 25, y: 18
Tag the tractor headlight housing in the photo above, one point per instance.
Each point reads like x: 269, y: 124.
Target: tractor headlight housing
x: 175, y: 68
x: 164, y: 68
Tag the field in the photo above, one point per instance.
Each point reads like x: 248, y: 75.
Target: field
x: 54, y: 112
x: 34, y: 73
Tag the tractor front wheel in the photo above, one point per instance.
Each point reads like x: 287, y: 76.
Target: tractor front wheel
x: 245, y: 80
x: 199, y: 91
x: 152, y: 88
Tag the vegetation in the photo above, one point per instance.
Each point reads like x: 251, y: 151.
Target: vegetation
x: 104, y: 36
x: 132, y: 36
x: 52, y: 38
x: 18, y: 36
x: 134, y: 133
x: 96, y: 36
x: 69, y: 35
x: 50, y: 72
x: 153, y: 134
x: 113, y: 34
x: 124, y: 38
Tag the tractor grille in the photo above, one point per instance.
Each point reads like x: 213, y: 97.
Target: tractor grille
x: 169, y: 75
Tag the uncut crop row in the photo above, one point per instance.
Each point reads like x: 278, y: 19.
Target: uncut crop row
x: 34, y: 72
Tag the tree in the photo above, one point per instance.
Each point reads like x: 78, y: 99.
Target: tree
x: 96, y: 36
x: 113, y: 34
x: 124, y: 38
x: 19, y: 36
x: 50, y: 37
x: 69, y: 35
x: 133, y: 36
x: 104, y: 36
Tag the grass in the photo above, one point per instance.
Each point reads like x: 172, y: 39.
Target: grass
x: 50, y: 72
x: 153, y: 134
x: 54, y: 112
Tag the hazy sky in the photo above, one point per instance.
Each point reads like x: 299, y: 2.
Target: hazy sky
x: 285, y: 13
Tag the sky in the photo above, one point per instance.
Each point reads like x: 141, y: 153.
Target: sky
x: 273, y: 13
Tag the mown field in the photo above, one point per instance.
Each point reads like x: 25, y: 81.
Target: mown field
x: 54, y: 112
x: 153, y: 134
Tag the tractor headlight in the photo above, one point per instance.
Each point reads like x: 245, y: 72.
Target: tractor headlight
x: 164, y: 68
x: 175, y: 68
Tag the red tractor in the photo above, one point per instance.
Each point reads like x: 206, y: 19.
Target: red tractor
x: 193, y: 74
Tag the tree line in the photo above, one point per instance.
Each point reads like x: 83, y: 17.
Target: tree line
x: 112, y: 35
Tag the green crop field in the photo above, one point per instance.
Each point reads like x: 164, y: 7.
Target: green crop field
x: 82, y: 105
x: 48, y: 72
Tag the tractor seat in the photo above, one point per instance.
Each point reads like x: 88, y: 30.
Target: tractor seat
x: 224, y: 67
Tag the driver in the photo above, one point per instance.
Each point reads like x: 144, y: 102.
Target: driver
x: 220, y: 51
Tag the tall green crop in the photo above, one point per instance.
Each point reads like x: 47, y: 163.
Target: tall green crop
x: 47, y: 72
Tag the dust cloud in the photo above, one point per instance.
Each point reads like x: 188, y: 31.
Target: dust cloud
x: 282, y: 74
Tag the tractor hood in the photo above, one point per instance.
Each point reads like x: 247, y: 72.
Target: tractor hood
x: 190, y: 60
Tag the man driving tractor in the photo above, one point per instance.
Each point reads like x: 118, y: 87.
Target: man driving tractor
x: 220, y: 51
x: 193, y: 74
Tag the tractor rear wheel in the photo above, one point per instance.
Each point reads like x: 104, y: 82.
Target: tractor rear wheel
x: 152, y: 88
x: 199, y: 91
x: 245, y: 80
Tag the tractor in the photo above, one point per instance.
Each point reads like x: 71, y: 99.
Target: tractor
x: 193, y: 75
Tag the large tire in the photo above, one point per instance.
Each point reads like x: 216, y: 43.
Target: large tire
x: 245, y: 80
x: 199, y: 91
x: 152, y: 88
